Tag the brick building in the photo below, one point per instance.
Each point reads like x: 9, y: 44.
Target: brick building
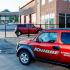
x: 52, y: 13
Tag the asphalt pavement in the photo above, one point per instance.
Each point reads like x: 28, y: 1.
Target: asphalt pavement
x: 7, y: 47
x: 8, y: 44
x: 11, y: 62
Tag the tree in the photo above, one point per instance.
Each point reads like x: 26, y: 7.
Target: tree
x: 6, y: 10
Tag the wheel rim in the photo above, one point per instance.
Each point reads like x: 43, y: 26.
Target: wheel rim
x: 24, y: 58
x: 18, y: 33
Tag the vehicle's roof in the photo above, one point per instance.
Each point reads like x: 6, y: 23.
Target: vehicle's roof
x: 57, y: 29
x: 26, y: 24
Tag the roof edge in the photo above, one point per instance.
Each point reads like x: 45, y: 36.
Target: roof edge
x: 27, y: 4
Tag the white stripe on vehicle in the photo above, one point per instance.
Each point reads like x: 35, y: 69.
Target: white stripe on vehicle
x: 46, y: 51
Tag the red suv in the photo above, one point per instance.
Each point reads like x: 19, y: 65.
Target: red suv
x: 50, y: 45
x: 26, y: 29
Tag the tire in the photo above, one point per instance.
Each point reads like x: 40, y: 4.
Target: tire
x: 39, y: 31
x: 68, y: 66
x: 18, y: 33
x: 25, y: 57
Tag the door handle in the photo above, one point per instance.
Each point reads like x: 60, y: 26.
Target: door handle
x: 56, y: 47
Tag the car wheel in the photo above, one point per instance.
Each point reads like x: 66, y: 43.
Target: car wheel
x: 25, y: 58
x: 18, y: 33
x: 39, y: 31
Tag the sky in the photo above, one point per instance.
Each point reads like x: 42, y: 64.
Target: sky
x: 12, y: 5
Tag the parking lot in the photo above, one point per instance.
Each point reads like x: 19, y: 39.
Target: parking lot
x: 9, y: 61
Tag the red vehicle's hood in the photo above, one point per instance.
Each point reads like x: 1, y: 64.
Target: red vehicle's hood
x: 27, y: 41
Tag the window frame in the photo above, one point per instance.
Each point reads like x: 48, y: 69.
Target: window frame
x: 66, y: 0
x: 37, y: 40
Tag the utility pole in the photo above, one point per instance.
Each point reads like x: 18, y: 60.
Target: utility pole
x: 5, y: 26
x: 38, y: 12
x: 19, y: 16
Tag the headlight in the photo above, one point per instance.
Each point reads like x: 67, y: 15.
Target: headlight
x: 17, y: 43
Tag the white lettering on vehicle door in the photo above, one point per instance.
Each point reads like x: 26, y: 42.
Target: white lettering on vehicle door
x: 66, y: 54
x: 46, y: 51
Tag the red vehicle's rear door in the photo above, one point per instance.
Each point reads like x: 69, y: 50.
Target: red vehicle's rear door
x: 65, y: 47
x: 23, y: 29
x: 65, y: 54
x: 33, y: 30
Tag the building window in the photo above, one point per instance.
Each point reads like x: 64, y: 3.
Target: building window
x: 27, y: 19
x: 43, y: 2
x: 2, y: 18
x: 22, y: 19
x: 64, y: 20
x: 64, y: 0
x: 68, y: 20
x: 49, y: 20
x: 67, y: 0
x: 34, y: 18
x: 61, y: 20
x: 43, y: 21
x: 50, y: 0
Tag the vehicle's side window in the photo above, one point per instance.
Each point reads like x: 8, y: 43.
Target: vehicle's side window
x: 21, y: 25
x: 48, y: 37
x: 65, y: 37
x: 28, y: 26
x: 24, y: 25
x: 32, y: 26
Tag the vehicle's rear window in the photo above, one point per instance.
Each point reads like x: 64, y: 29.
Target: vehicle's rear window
x: 65, y: 37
